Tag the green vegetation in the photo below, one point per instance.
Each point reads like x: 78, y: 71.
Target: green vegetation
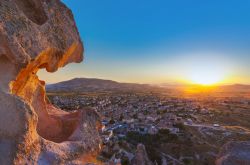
x: 145, y: 112
x: 121, y: 117
x: 161, y: 112
x: 111, y: 121
x: 135, y: 116
x: 151, y: 142
x: 181, y: 126
x: 107, y: 155
x: 125, y: 161
x: 153, y: 154
x: 163, y: 135
x: 187, y: 161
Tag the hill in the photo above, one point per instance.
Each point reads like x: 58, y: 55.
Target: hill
x: 80, y: 85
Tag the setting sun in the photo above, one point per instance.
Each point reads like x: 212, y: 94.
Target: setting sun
x: 209, y: 74
x: 205, y: 78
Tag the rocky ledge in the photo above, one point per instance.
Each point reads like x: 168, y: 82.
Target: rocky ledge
x: 40, y: 34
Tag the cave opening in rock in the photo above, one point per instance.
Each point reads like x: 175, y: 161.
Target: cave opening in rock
x: 53, y: 124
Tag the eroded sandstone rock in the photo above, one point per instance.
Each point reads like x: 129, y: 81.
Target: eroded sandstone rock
x: 141, y: 156
x: 39, y: 34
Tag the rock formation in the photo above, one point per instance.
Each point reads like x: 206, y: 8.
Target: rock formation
x: 39, y: 34
x: 141, y: 156
x: 234, y: 153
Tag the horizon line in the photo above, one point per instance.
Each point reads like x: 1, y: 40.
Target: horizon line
x: 158, y: 84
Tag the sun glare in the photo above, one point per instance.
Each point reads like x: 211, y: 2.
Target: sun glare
x: 205, y: 79
x: 206, y: 75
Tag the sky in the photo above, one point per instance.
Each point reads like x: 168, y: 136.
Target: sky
x: 161, y: 41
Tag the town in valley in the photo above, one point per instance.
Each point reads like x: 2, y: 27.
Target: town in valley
x: 175, y: 126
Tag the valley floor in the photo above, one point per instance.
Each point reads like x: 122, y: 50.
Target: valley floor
x: 174, y: 128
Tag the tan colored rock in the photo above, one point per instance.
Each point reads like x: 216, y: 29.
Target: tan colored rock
x: 141, y: 156
x: 39, y: 34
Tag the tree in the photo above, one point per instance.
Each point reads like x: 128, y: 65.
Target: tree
x: 121, y: 117
x: 181, y: 126
x: 135, y: 116
x: 112, y: 121
x: 125, y: 161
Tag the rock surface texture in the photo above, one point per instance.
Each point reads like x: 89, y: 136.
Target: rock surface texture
x: 141, y: 156
x: 39, y: 34
x: 234, y: 153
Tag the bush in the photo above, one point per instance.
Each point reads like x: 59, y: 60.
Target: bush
x: 135, y: 116
x: 121, y: 117
x: 111, y: 121
x: 107, y: 155
x: 164, y: 131
x: 187, y: 161
x: 153, y: 154
x: 124, y: 161
x: 181, y: 126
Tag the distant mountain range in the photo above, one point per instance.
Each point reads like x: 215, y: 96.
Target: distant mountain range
x: 95, y: 85
x: 80, y: 85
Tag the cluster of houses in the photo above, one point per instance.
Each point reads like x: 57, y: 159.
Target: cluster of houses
x: 145, y: 114
x: 120, y: 128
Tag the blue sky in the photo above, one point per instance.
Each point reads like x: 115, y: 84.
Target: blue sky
x: 148, y: 40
